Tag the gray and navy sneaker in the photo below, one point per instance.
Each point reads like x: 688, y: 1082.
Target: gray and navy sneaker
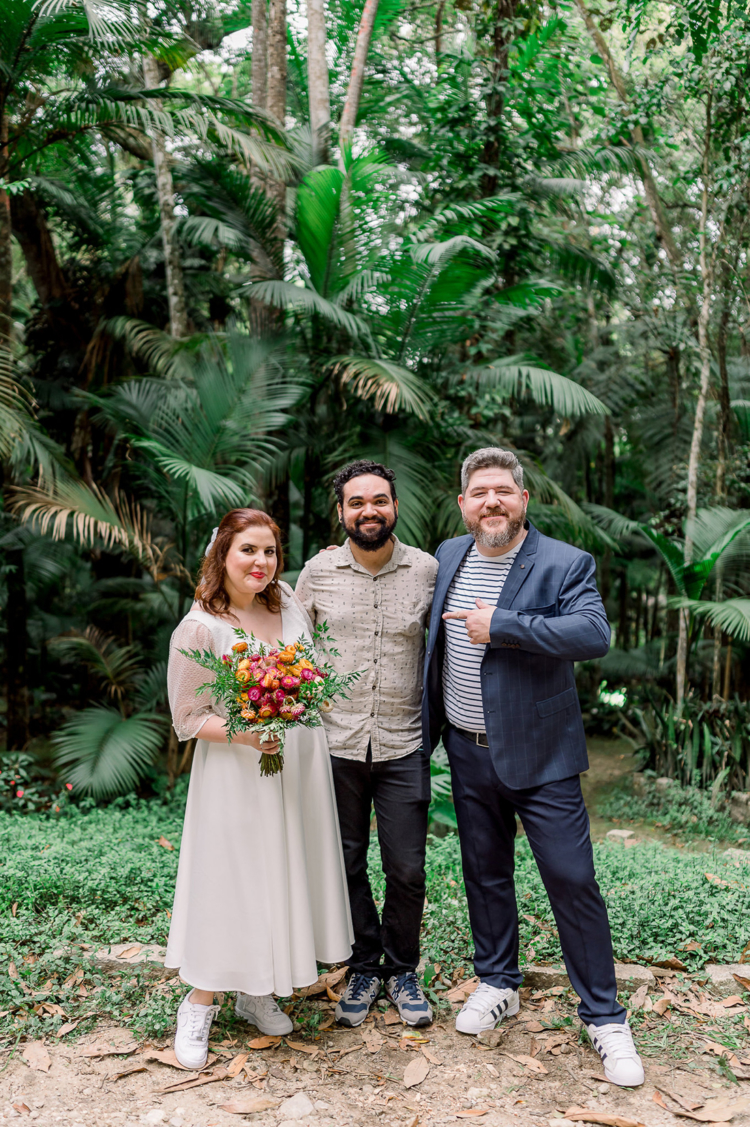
x: 360, y: 993
x: 408, y: 998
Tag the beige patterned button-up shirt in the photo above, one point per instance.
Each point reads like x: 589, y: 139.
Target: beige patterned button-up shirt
x: 378, y: 623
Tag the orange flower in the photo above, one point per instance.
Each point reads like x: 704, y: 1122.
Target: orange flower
x: 242, y: 675
x: 239, y: 647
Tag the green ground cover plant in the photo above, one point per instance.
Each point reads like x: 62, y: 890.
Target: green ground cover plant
x: 73, y: 882
x: 687, y: 810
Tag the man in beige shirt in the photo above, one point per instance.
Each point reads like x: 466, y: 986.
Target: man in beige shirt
x: 375, y: 595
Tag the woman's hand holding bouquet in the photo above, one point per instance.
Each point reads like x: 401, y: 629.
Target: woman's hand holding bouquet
x: 266, y: 690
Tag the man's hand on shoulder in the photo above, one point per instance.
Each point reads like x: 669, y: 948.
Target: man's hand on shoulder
x: 478, y: 622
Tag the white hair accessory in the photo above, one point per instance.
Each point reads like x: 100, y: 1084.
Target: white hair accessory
x: 210, y: 544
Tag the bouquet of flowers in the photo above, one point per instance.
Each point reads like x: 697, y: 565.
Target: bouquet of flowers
x: 268, y: 690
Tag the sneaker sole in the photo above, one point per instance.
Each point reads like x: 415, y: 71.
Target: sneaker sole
x: 421, y: 1021
x: 511, y: 1011
x: 348, y: 1023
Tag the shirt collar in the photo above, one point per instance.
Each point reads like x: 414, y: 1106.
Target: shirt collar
x: 398, y: 559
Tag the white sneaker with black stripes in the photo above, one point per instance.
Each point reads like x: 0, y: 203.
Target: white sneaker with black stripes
x: 487, y: 1006
x: 614, y: 1044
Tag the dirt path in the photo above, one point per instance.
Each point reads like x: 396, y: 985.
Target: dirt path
x: 535, y: 1073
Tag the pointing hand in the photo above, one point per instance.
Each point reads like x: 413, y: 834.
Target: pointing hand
x: 477, y: 621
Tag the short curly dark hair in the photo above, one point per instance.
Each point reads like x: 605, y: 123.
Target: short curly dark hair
x: 357, y: 469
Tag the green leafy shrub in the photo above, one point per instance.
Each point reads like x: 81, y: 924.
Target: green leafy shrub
x: 689, y: 811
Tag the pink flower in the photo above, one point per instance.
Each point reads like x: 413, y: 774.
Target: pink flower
x: 298, y: 711
x: 68, y: 786
x: 290, y: 682
x: 19, y: 794
x: 307, y: 674
x: 254, y: 693
x: 279, y: 696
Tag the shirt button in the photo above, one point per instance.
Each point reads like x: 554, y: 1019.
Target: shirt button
x: 372, y: 714
x: 376, y: 661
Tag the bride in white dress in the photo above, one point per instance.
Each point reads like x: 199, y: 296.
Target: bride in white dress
x: 261, y: 888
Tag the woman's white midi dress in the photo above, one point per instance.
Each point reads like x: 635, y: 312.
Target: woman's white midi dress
x: 261, y: 887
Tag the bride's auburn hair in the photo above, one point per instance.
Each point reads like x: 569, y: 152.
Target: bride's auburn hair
x: 210, y: 594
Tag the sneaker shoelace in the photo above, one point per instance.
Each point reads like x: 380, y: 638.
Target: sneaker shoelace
x: 268, y: 1005
x: 617, y: 1040
x: 200, y: 1023
x: 483, y: 997
x: 359, y: 984
x: 407, y: 984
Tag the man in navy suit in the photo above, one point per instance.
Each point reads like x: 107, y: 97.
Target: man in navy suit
x: 512, y: 611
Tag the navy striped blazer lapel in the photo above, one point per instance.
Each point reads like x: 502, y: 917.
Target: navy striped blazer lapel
x: 520, y: 569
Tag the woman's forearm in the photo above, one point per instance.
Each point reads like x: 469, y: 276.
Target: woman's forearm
x: 214, y: 731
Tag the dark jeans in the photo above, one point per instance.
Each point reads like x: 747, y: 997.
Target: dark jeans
x: 557, y: 825
x: 399, y: 789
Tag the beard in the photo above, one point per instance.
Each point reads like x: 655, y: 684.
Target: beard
x: 373, y: 539
x: 502, y: 537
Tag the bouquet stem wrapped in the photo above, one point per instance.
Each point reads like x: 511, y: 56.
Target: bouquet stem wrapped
x: 270, y: 690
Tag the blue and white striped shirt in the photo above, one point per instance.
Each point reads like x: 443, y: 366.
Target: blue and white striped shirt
x: 478, y: 577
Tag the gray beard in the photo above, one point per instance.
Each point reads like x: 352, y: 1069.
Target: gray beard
x: 495, y: 539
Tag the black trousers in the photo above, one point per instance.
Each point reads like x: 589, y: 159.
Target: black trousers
x: 557, y: 825
x: 399, y: 789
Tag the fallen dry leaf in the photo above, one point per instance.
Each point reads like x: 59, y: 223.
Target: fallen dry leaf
x: 461, y: 991
x: 416, y: 1071
x: 533, y: 1027
x: 691, y: 946
x: 130, y: 951
x: 14, y: 909
x: 163, y: 842
x: 717, y: 880
x: 221, y: 1072
x: 168, y: 1057
x: 528, y: 1062
x: 733, y: 1000
x: 330, y: 978
x: 671, y: 964
x: 638, y: 998
x: 12, y: 970
x: 372, y: 1039
x: 586, y: 1115
x: 392, y: 1017
x: 236, y: 1064
x: 332, y: 995
x: 74, y: 978
x: 662, y: 1005
x: 433, y: 1058
x: 689, y: 1105
x: 22, y: 1109
x: 263, y: 1042
x: 37, y: 1057
x: 658, y: 1098
x: 301, y: 1048
x: 129, y: 1071
x: 716, y: 1111
x: 248, y: 1107
x: 68, y: 1027
x: 352, y: 1049
x: 472, y: 1111
x: 744, y: 982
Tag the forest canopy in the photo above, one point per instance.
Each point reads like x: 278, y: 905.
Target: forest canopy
x: 244, y: 243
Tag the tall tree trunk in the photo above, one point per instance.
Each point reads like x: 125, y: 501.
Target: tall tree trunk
x: 653, y: 199
x: 276, y: 106
x: 704, y: 348
x: 356, y: 80
x: 260, y: 51
x: 317, y: 81
x: 725, y: 416
x: 178, y: 318
x: 501, y: 34
x: 439, y: 30
x: 6, y: 246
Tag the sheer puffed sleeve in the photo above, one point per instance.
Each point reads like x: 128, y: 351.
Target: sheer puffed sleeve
x: 190, y: 709
x: 293, y: 602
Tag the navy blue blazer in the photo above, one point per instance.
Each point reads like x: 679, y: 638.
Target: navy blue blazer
x: 549, y: 615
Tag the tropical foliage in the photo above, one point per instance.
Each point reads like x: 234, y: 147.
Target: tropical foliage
x: 224, y: 272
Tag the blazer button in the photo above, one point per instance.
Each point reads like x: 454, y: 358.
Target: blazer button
x: 523, y: 566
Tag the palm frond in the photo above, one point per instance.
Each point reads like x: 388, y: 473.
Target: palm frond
x: 732, y: 615
x: 103, y: 753
x: 114, y: 665
x: 566, y: 396
x: 285, y: 295
x: 390, y: 386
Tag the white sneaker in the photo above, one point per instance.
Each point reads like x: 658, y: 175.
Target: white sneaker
x: 614, y: 1044
x: 262, y: 1011
x: 191, y: 1038
x: 486, y: 1007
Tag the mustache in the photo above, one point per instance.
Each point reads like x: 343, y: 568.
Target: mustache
x: 493, y: 513
x: 369, y: 520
